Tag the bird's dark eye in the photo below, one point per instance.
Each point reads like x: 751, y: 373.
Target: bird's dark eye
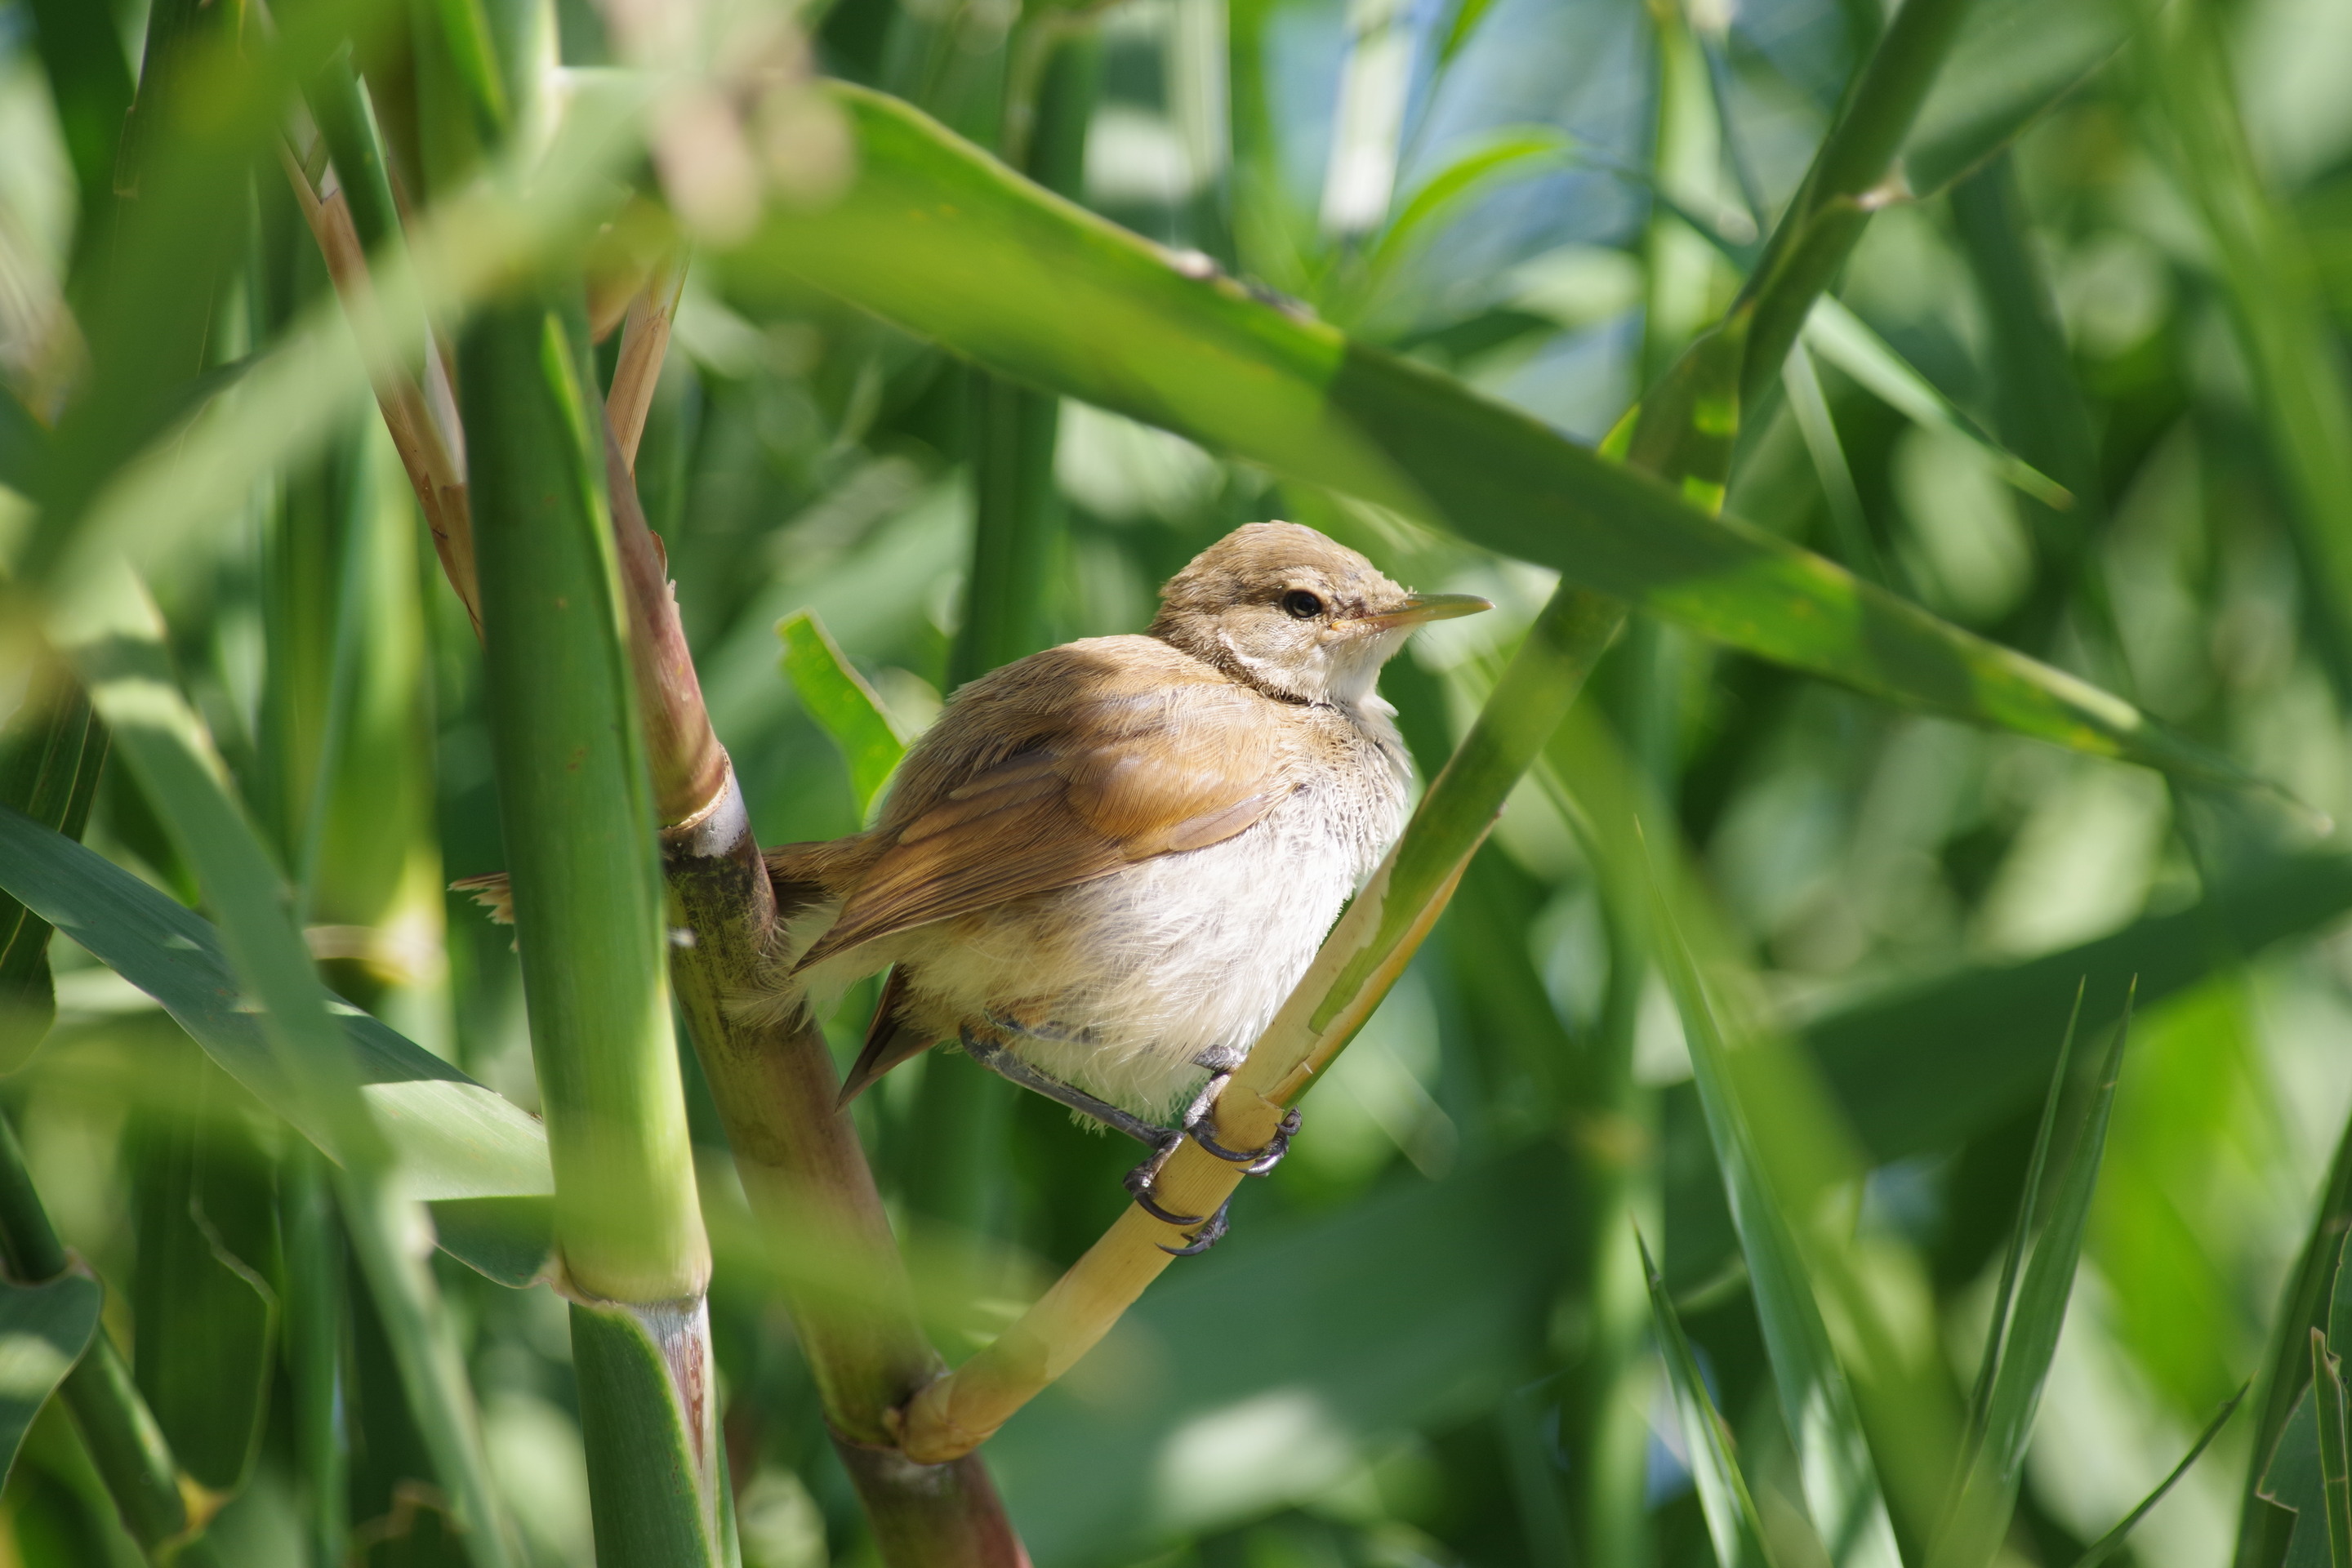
x: 1301, y: 603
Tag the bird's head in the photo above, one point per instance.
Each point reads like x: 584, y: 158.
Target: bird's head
x: 1294, y: 613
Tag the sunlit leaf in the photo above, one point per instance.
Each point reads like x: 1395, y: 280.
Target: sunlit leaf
x: 1841, y: 1481
x: 1731, y: 1518
x: 844, y: 705
x: 1846, y: 341
x: 2025, y: 1350
x: 44, y: 1329
x: 938, y: 238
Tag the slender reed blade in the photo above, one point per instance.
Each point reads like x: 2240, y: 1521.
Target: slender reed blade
x: 2107, y: 1545
x: 1732, y: 1522
x: 2029, y: 1203
x: 1840, y: 1482
x: 2029, y: 1339
x: 1042, y: 291
x: 2335, y: 1468
x: 2282, y: 1391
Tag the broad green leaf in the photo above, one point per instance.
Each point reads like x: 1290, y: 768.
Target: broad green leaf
x: 1981, y: 1517
x: 938, y: 237
x: 1731, y: 1519
x: 1840, y: 1484
x: 2107, y: 1545
x: 454, y: 1138
x: 44, y: 1330
x: 2012, y: 61
x: 1847, y: 342
x: 842, y: 704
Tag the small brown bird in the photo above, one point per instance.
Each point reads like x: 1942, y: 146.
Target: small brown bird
x: 1104, y: 867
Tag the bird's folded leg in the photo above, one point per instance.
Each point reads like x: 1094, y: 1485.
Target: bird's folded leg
x: 992, y: 1055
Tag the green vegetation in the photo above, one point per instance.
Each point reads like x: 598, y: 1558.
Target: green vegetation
x: 1846, y: 1067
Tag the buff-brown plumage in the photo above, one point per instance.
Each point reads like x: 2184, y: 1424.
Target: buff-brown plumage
x: 1127, y: 847
x: 1117, y: 857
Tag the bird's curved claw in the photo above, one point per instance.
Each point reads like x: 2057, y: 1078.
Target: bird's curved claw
x: 1253, y: 1162
x: 1207, y: 1236
x: 1138, y: 1184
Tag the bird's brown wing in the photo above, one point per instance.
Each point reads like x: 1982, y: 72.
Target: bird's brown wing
x: 1113, y: 777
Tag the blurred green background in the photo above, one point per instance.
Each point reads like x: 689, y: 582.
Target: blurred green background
x: 1399, y: 1358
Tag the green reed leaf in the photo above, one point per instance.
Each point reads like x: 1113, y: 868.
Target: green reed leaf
x: 844, y: 706
x: 938, y: 237
x: 1732, y: 1522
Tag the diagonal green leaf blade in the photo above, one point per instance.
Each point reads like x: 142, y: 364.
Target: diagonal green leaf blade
x: 454, y: 1139
x: 1988, y: 1496
x: 938, y: 238
x: 2029, y: 1204
x: 2012, y: 60
x: 1847, y: 342
x: 844, y: 705
x: 1731, y: 1520
x: 2335, y: 1468
x: 1841, y: 1483
x: 2107, y: 1545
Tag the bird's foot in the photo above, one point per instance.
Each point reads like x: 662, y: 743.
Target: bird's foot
x: 1198, y: 1122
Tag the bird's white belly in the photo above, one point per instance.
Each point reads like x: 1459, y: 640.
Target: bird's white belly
x: 1126, y: 981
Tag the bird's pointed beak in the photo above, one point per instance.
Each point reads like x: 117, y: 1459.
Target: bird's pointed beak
x: 1418, y: 609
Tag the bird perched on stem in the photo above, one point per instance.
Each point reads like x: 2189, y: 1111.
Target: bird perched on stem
x: 1104, y: 867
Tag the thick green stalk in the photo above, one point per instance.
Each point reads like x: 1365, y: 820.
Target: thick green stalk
x: 576, y: 806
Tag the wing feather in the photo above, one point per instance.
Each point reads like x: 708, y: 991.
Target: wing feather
x: 1124, y: 773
